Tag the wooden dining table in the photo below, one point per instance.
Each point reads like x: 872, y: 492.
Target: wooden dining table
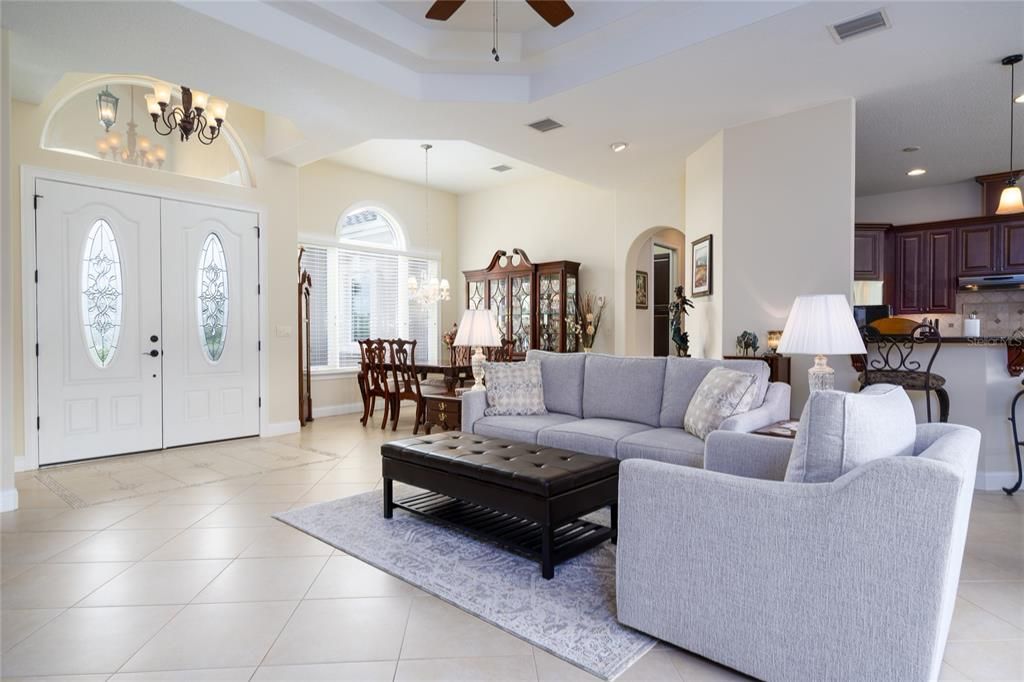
x: 454, y: 375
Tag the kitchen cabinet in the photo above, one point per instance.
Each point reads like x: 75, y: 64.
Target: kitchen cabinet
x: 1012, y: 242
x: 925, y: 271
x: 991, y: 249
x: 869, y: 253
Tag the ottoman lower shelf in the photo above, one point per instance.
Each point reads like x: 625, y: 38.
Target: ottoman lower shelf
x: 518, y: 535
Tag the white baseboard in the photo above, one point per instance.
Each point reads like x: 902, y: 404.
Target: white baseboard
x: 279, y: 429
x: 8, y: 500
x: 335, y: 410
x: 995, y: 480
x: 21, y: 464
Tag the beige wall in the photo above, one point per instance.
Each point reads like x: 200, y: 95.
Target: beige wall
x: 276, y: 193
x: 942, y: 202
x: 8, y: 493
x: 326, y: 191
x: 704, y: 216
x: 550, y: 218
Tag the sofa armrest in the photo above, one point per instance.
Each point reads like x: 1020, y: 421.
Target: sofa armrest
x: 775, y: 408
x: 473, y: 405
x: 747, y: 454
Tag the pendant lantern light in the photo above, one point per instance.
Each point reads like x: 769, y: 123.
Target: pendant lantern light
x: 1011, y: 201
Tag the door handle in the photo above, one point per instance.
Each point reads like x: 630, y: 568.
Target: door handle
x: 154, y: 338
x: 153, y: 353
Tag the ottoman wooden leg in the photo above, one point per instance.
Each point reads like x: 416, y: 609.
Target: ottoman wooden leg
x: 547, y: 551
x: 389, y: 504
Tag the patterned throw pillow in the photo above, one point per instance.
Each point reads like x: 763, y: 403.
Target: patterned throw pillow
x: 513, y: 388
x: 723, y: 393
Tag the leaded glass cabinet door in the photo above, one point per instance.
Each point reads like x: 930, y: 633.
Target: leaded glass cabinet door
x: 550, y: 304
x: 498, y: 303
x: 521, y: 312
x: 211, y: 314
x: 98, y: 306
x: 477, y: 294
x: 571, y: 312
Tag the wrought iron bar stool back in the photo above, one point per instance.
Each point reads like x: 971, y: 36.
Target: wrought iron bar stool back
x: 903, y: 352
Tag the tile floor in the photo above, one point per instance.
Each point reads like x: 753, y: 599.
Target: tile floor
x: 195, y: 581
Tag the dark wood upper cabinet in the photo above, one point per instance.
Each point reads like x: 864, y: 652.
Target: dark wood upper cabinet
x: 939, y: 275
x: 1012, y: 260
x: 979, y: 250
x: 869, y: 253
x: 910, y: 289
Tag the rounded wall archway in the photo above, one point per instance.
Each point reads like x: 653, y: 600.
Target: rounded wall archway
x: 72, y: 127
x: 639, y: 322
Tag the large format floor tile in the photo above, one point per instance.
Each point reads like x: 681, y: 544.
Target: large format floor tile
x: 51, y: 586
x: 273, y: 579
x: 83, y: 641
x: 214, y: 636
x: 467, y: 669
x: 362, y: 671
x: 117, y: 545
x: 440, y: 630
x: 157, y: 582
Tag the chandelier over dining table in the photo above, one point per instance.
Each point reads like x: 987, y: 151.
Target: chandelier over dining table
x: 198, y: 114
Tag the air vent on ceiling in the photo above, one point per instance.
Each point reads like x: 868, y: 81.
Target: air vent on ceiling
x: 544, y: 125
x: 858, y: 26
x: 501, y: 168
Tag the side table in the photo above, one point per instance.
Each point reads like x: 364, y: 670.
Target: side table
x: 783, y: 429
x: 443, y: 410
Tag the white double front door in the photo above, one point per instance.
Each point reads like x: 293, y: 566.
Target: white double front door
x: 147, y: 322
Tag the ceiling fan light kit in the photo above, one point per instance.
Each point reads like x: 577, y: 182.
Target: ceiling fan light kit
x: 555, y: 12
x: 1011, y: 201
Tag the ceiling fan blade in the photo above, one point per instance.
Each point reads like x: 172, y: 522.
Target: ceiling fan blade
x: 442, y: 10
x: 552, y: 11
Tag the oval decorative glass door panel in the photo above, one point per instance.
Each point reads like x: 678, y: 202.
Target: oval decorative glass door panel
x: 102, y: 293
x: 212, y: 297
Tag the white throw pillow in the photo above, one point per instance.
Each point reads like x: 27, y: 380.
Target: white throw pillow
x: 840, y: 431
x: 722, y: 393
x: 514, y: 388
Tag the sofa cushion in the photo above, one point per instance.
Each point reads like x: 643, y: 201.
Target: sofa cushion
x: 562, y: 374
x: 514, y: 388
x: 591, y: 436
x: 840, y: 431
x: 683, y: 376
x: 623, y: 388
x: 722, y: 394
x: 674, y: 446
x: 523, y: 429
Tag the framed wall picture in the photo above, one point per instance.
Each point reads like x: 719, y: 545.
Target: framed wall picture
x: 702, y: 267
x: 641, y: 290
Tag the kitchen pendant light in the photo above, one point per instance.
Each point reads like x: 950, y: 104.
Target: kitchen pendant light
x: 1011, y: 201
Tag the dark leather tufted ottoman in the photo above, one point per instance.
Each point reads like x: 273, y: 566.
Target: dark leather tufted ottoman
x: 528, y: 498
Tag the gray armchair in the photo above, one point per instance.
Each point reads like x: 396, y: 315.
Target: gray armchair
x: 852, y: 579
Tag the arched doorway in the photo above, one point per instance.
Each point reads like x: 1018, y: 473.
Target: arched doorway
x: 654, y: 260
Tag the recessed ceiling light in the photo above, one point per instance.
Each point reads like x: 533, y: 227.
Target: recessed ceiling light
x: 916, y: 171
x: 912, y: 148
x: 1020, y: 99
x: 619, y: 146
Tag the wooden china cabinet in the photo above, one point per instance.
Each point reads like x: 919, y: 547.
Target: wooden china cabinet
x: 531, y: 301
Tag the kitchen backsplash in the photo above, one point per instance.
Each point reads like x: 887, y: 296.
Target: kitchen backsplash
x: 1001, y: 313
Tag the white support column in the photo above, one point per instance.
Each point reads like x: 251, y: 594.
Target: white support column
x: 8, y: 493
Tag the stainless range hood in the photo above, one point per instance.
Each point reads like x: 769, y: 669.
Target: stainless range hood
x: 991, y: 282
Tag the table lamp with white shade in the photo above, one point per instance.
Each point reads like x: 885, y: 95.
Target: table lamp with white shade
x: 819, y: 326
x: 477, y: 329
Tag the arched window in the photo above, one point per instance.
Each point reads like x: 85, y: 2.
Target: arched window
x: 73, y: 127
x: 361, y: 290
x: 370, y: 226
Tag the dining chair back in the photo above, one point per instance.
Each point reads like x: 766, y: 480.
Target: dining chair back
x: 374, y: 357
x: 406, y: 380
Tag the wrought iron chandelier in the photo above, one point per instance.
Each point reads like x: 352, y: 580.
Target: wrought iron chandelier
x: 132, y: 148
x: 198, y: 114
x: 434, y: 290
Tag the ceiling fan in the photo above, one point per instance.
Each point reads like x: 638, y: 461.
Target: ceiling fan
x: 552, y: 11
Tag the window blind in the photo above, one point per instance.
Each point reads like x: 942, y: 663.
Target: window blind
x: 364, y: 294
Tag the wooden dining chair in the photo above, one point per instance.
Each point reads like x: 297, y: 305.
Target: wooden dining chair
x: 502, y: 353
x: 375, y: 354
x: 406, y: 381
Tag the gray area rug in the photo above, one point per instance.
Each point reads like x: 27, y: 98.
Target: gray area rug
x: 571, y: 616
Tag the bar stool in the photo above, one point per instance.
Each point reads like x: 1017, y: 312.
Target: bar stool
x: 891, y: 344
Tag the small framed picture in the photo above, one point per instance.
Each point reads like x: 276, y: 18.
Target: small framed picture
x: 641, y: 290
x: 702, y: 267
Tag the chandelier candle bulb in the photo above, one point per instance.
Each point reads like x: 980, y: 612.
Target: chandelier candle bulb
x: 200, y: 100
x: 114, y: 140
x: 152, y: 105
x: 218, y: 110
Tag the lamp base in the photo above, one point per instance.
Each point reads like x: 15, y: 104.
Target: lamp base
x: 477, y: 365
x: 821, y: 377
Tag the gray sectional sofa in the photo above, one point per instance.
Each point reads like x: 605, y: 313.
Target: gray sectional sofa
x: 624, y: 407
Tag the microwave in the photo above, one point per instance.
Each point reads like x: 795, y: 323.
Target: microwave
x: 866, y: 314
